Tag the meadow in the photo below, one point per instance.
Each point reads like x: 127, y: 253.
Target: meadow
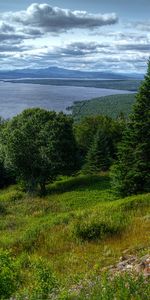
x: 60, y: 243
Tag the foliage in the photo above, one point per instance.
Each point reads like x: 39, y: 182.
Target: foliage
x: 111, y: 106
x: 131, y: 173
x: 6, y: 174
x: 88, y: 133
x: 99, y: 155
x: 121, y: 287
x: 39, y: 145
x: 2, y: 209
x: 9, y: 275
x: 44, y: 280
x: 36, y: 229
x: 99, y: 226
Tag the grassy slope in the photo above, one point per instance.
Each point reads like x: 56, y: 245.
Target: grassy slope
x: 44, y: 227
x: 111, y: 106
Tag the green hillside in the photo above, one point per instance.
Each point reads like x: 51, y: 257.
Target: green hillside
x: 111, y: 106
x: 61, y: 242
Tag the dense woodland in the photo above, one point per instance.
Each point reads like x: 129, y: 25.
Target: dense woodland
x: 37, y: 146
x: 73, y: 196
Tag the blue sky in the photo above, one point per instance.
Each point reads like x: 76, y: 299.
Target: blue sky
x: 110, y: 35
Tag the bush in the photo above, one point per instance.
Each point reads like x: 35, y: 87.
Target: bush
x: 99, y: 226
x: 9, y: 275
x: 2, y: 209
x: 31, y: 239
x: 11, y: 195
x: 44, y: 280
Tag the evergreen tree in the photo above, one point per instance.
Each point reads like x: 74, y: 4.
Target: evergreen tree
x: 131, y: 173
x: 98, y: 157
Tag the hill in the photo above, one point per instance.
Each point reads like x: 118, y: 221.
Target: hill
x: 69, y: 236
x: 111, y: 106
x: 55, y: 72
x: 127, y: 85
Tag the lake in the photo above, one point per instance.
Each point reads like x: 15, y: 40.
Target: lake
x: 15, y: 97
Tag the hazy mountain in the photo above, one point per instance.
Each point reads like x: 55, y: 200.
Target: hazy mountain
x: 54, y: 72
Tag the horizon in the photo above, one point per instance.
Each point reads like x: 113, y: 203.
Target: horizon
x: 97, y: 37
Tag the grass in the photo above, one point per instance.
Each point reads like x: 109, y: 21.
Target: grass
x: 111, y: 106
x: 124, y: 287
x: 79, y: 227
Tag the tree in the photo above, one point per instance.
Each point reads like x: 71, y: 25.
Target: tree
x: 86, y: 130
x: 39, y: 145
x: 131, y: 172
x: 6, y: 174
x: 98, y: 157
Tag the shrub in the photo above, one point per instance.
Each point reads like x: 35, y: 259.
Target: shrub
x: 99, y: 226
x: 2, y: 209
x: 31, y: 239
x: 9, y: 275
x: 11, y: 195
x: 44, y: 280
x: 16, y: 196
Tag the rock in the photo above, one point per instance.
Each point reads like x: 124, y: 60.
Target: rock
x: 131, y: 263
x: 144, y: 266
x: 129, y: 258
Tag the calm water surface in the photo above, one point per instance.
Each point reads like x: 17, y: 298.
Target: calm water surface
x: 15, y: 97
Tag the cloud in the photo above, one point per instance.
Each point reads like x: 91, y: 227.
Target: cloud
x: 81, y: 48
x: 12, y: 48
x: 32, y: 38
x: 6, y: 28
x: 17, y: 38
x: 135, y: 47
x: 56, y: 20
x: 79, y: 55
x: 141, y: 25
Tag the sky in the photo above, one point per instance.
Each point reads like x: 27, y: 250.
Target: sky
x: 88, y: 35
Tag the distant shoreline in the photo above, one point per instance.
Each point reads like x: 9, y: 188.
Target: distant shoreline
x: 130, y: 85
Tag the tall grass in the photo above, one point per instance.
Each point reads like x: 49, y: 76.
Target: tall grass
x: 79, y: 227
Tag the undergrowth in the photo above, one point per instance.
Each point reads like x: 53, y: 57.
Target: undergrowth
x: 59, y: 240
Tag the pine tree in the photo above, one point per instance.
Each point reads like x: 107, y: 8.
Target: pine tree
x: 98, y: 157
x: 131, y: 173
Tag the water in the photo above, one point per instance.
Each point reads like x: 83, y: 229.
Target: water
x: 15, y: 97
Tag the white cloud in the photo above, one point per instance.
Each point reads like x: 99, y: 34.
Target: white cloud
x: 55, y: 19
x: 43, y: 35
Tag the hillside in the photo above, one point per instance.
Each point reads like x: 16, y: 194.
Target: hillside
x: 55, y: 72
x: 78, y: 229
x: 128, y: 84
x: 111, y: 106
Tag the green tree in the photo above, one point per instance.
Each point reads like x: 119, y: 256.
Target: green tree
x: 39, y: 145
x: 99, y: 157
x: 86, y: 130
x: 6, y: 174
x: 131, y: 173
